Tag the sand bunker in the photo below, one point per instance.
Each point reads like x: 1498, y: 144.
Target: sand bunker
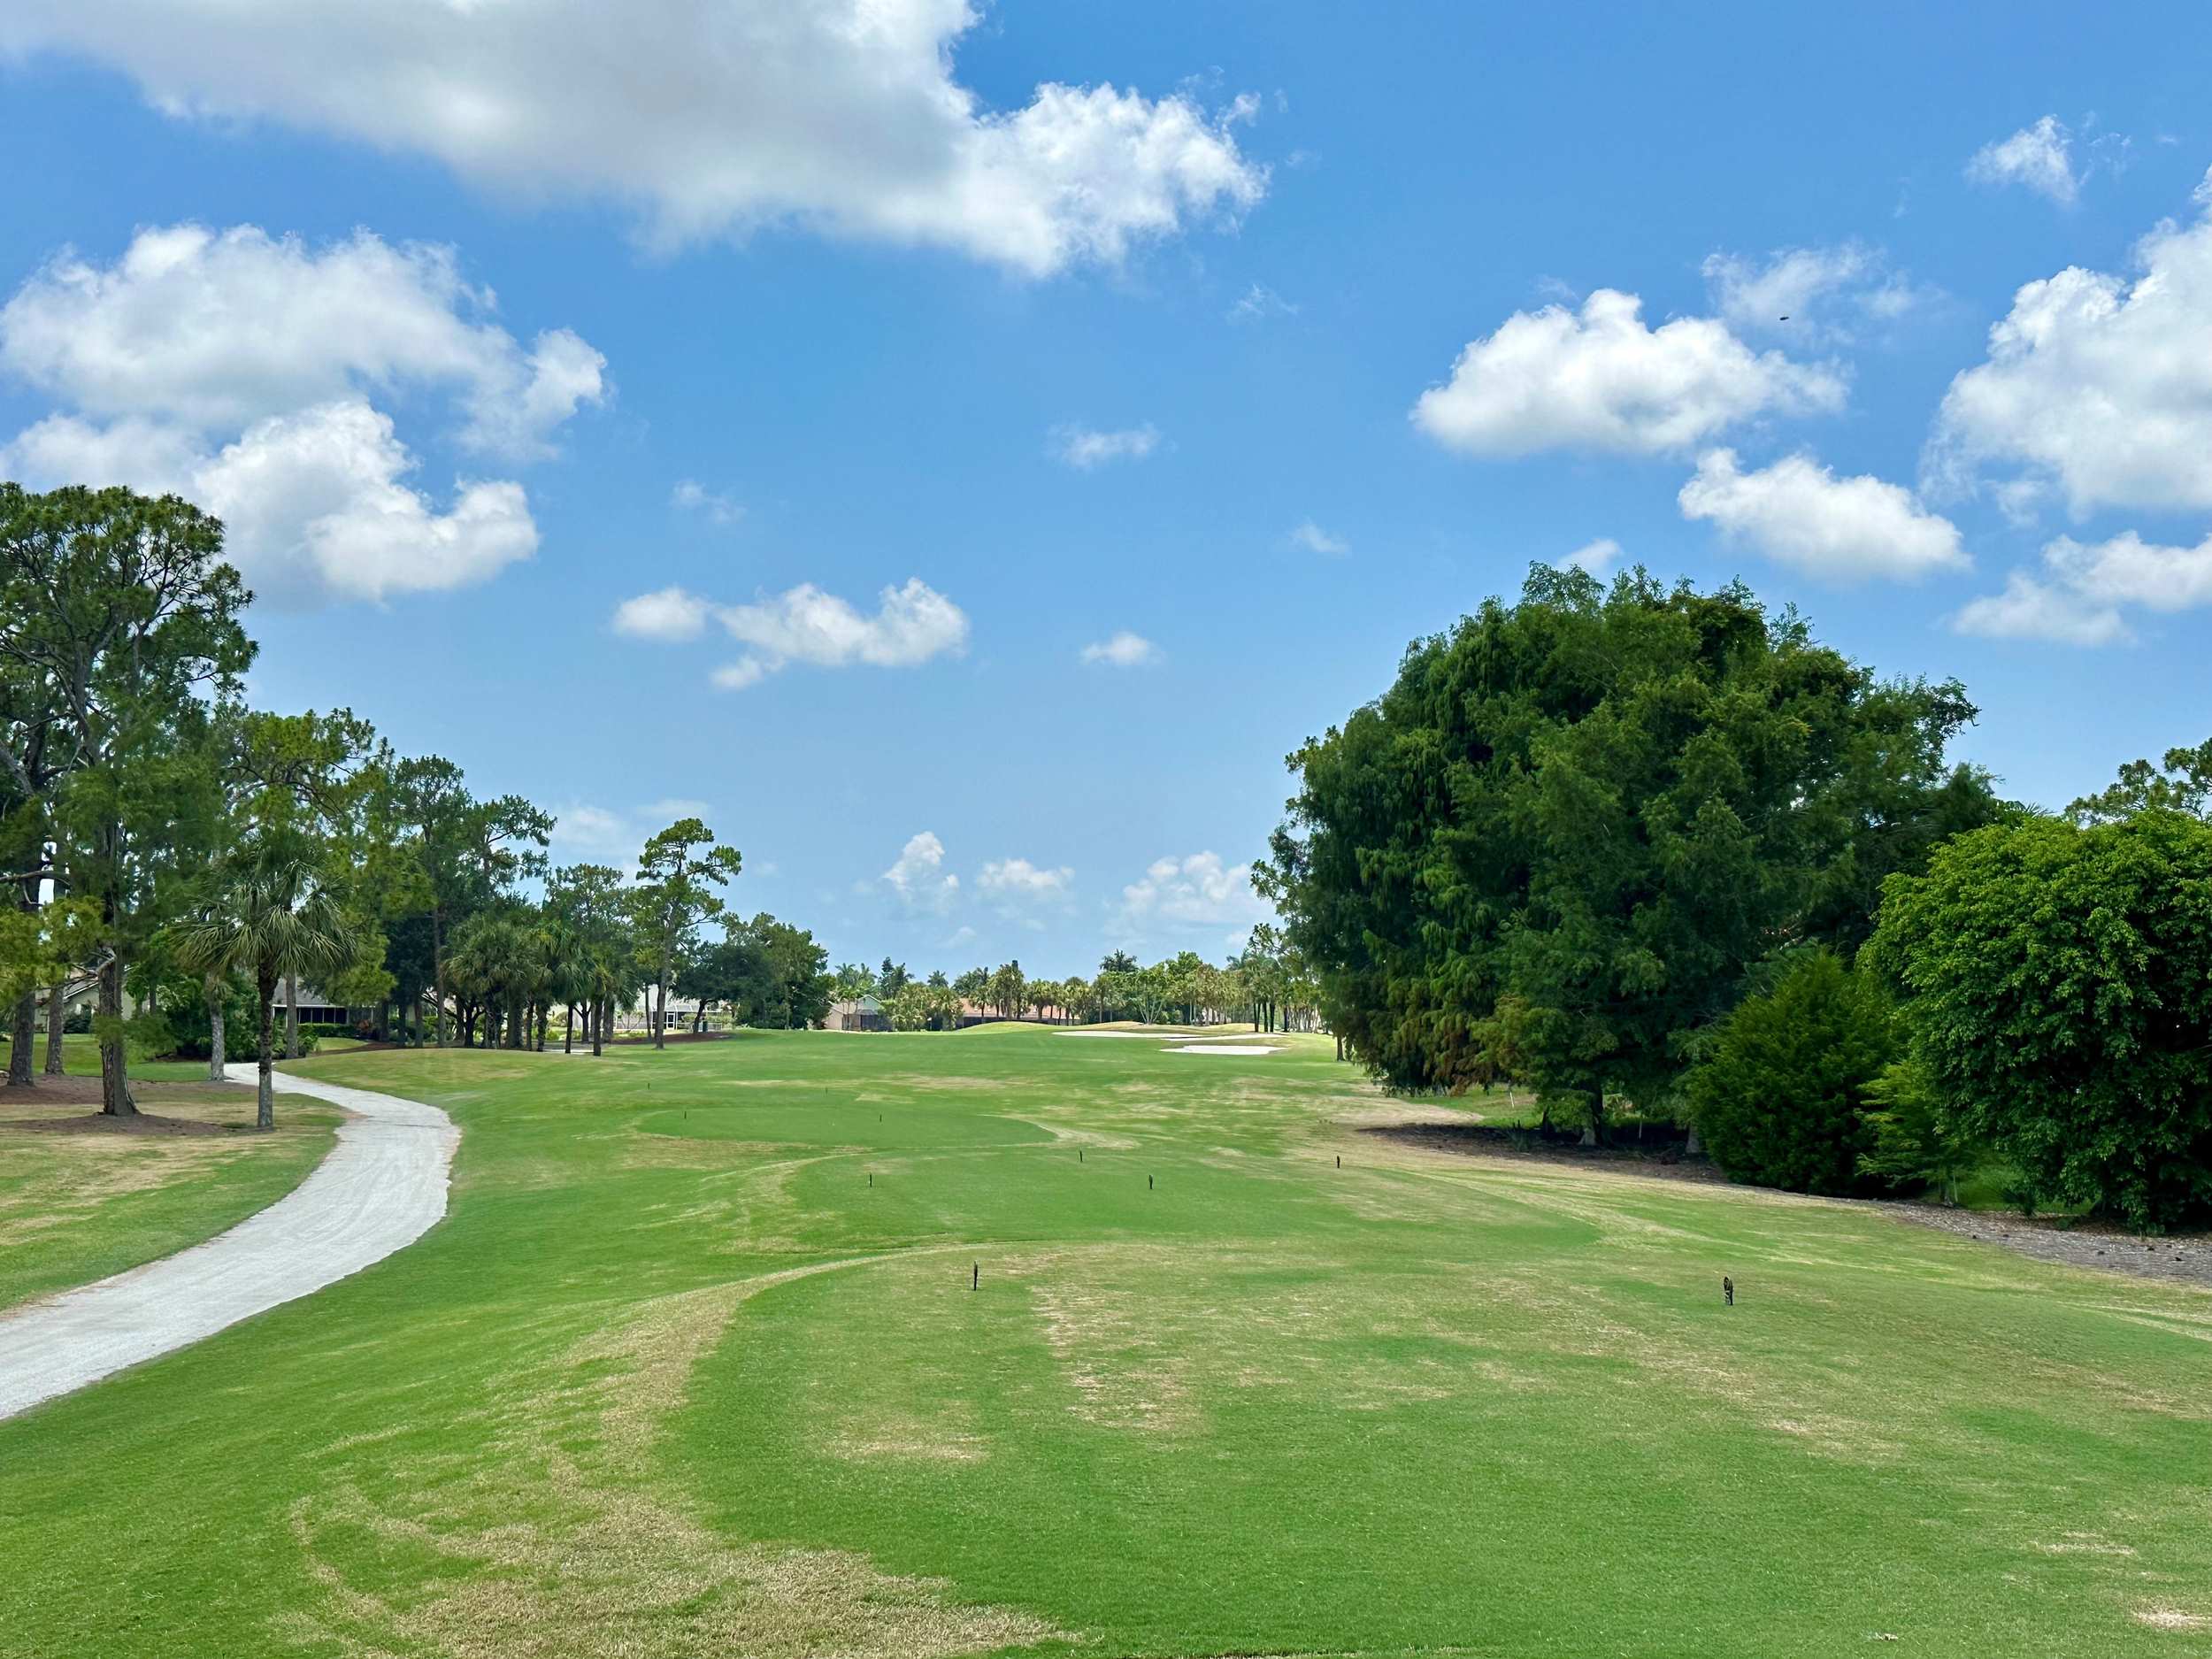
x: 1222, y: 1047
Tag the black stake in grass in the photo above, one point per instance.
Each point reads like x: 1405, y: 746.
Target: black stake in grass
x: 1339, y: 1160
x: 1148, y: 1183
x: 975, y: 1276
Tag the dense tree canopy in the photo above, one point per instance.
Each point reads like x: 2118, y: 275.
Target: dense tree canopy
x: 1607, y: 804
x: 2060, y: 979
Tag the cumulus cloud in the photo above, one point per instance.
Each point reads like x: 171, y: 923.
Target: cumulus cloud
x: 710, y: 118
x: 667, y: 613
x: 716, y: 507
x: 912, y: 624
x: 918, y: 875
x: 1598, y: 557
x: 1314, y: 539
x: 209, y: 331
x: 1599, y: 379
x: 1826, y: 293
x: 1086, y: 448
x: 2040, y: 157
x: 314, y: 505
x: 1195, y: 891
x: 1846, y: 529
x: 2078, y: 599
x: 1018, y: 878
x: 2097, y: 384
x: 2033, y: 610
x: 1123, y: 649
x: 243, y: 370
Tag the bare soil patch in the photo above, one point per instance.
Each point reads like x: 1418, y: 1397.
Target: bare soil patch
x: 197, y: 1108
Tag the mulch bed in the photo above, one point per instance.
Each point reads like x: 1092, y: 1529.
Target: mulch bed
x: 1658, y: 1152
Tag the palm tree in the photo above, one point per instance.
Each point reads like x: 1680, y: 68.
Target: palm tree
x: 272, y: 918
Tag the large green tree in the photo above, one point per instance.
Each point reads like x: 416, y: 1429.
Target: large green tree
x: 1608, y: 804
x: 678, y: 874
x: 2060, y: 987
x: 121, y: 607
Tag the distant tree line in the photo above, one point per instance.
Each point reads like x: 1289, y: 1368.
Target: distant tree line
x: 1265, y: 984
x: 1657, y: 851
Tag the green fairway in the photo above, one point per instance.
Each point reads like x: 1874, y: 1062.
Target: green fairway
x: 915, y: 1345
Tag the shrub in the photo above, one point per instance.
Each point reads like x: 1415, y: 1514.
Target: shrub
x: 1780, y: 1101
x: 2061, y: 981
x: 1916, y: 1141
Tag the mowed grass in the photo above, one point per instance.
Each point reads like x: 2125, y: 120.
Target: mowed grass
x: 78, y: 1207
x: 695, y: 1366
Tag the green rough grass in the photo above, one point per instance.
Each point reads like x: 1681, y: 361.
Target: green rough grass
x: 674, y: 1377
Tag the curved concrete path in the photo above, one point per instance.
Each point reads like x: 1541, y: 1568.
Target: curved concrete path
x: 381, y: 1188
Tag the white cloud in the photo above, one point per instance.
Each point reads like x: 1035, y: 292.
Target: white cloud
x: 1798, y: 512
x: 1826, y: 293
x: 717, y: 507
x: 2127, y: 569
x: 1018, y: 877
x: 1314, y: 539
x: 912, y: 624
x: 2031, y: 610
x: 2041, y: 158
x: 1259, y: 303
x: 1597, y: 557
x: 1600, y: 380
x: 2100, y: 385
x: 1123, y: 649
x: 2078, y: 598
x: 918, y: 875
x: 667, y: 613
x: 313, y: 505
x: 840, y: 115
x: 239, y: 369
x: 1084, y: 448
x: 1196, y: 891
x: 210, y: 332
x: 583, y: 830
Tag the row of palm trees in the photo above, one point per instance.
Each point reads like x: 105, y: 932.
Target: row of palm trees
x: 271, y: 918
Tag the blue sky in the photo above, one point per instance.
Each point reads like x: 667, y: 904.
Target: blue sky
x: 478, y: 322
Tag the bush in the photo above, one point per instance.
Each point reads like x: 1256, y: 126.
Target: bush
x: 2061, y: 1002
x: 1779, y: 1102
x: 77, y: 1021
x: 1916, y: 1141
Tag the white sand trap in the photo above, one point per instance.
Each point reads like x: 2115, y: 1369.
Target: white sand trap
x: 379, y: 1189
x: 1222, y: 1047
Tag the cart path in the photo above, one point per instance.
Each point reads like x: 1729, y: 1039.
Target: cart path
x: 379, y: 1188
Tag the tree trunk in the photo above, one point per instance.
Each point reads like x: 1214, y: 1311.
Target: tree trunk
x: 54, y: 1018
x: 116, y: 1100
x: 598, y: 1024
x: 568, y: 1031
x: 291, y: 1015
x: 211, y: 988
x: 265, y: 1098
x: 437, y: 965
x: 21, y: 1038
x: 660, y: 1006
x: 1694, y: 1145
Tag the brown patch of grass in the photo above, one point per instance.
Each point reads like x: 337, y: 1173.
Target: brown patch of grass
x: 583, y: 1560
x: 2163, y: 1618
